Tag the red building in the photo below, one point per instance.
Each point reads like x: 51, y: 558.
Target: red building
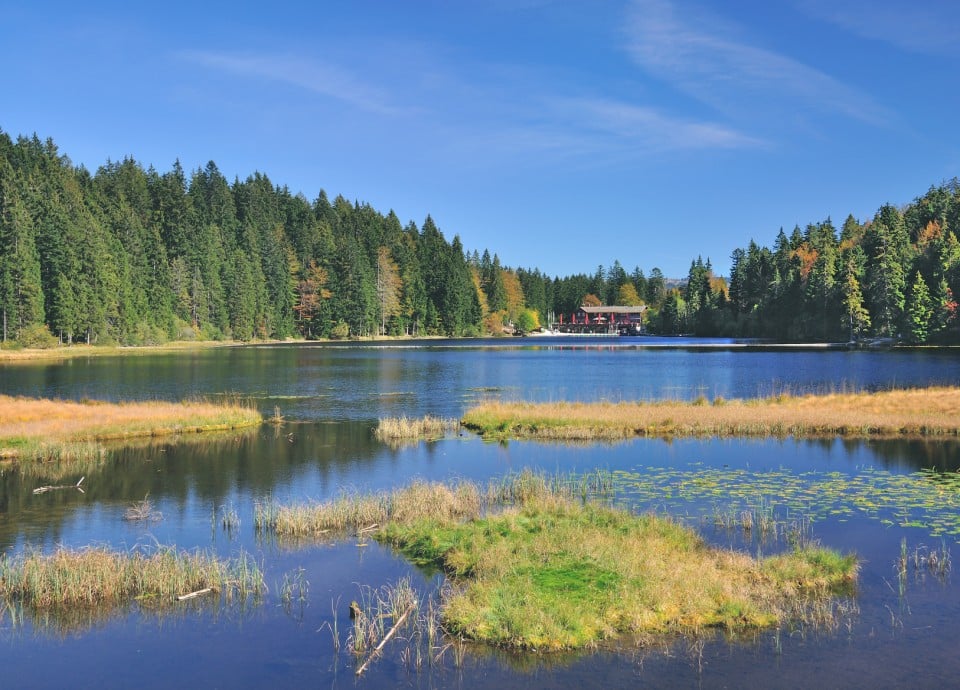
x: 612, y: 320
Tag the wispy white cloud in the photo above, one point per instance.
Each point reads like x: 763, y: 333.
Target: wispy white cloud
x: 321, y: 78
x: 487, y: 112
x: 922, y: 27
x: 706, y: 58
x: 652, y: 129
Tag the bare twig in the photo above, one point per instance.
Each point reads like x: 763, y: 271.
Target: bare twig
x: 386, y: 638
x: 205, y: 590
x: 45, y: 489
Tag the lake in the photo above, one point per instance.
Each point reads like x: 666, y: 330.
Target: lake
x: 864, y: 496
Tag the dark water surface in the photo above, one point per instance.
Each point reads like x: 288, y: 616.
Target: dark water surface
x: 861, y: 496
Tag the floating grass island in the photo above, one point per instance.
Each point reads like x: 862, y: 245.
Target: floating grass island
x: 34, y: 428
x: 534, y: 566
x: 895, y: 413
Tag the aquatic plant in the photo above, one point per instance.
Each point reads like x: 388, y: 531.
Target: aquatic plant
x: 294, y: 590
x: 358, y: 512
x: 925, y: 499
x: 142, y: 511
x: 406, y: 429
x: 909, y: 412
x: 98, y: 577
x: 536, y: 563
x: 561, y: 574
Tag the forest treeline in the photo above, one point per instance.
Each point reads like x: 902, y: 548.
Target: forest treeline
x: 133, y: 256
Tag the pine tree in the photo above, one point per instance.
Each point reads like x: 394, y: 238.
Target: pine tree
x: 21, y: 292
x: 858, y: 318
x: 919, y: 310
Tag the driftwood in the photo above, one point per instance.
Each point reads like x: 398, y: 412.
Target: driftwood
x: 386, y: 638
x: 184, y: 597
x: 371, y: 528
x: 45, y: 489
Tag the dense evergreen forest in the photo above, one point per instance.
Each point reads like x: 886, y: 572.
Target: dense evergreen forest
x: 132, y: 256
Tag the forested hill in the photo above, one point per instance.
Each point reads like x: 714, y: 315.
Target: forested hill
x: 130, y: 255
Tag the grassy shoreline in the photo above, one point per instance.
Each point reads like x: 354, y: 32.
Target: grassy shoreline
x: 897, y: 413
x: 42, y: 428
x: 16, y: 355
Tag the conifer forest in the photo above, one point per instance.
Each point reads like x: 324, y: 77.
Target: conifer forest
x: 129, y: 255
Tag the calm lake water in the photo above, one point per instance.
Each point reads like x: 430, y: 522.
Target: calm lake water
x: 860, y: 496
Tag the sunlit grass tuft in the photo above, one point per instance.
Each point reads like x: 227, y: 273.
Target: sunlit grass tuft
x: 41, y: 429
x: 406, y: 429
x: 910, y: 412
x: 95, y: 577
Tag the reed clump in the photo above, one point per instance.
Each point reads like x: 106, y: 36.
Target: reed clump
x: 99, y: 577
x: 405, y: 429
x: 353, y: 512
x: 41, y: 429
x: 908, y: 412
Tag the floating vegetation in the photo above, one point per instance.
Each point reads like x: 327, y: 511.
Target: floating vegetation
x: 536, y: 563
x: 98, y: 577
x: 557, y: 574
x: 142, y: 511
x: 924, y: 499
x: 356, y: 513
x: 911, y: 412
x: 406, y: 429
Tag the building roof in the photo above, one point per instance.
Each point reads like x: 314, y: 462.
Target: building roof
x: 614, y: 309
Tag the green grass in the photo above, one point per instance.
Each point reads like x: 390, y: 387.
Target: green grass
x: 568, y: 575
x: 536, y: 563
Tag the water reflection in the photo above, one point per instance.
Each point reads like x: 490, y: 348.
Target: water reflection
x: 332, y: 397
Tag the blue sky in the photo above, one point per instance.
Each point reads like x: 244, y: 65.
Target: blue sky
x: 560, y: 135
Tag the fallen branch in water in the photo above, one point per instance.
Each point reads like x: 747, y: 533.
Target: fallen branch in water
x: 386, y: 638
x: 45, y: 489
x: 184, y: 597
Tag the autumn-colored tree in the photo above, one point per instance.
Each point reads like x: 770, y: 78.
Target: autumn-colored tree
x: 389, y: 287
x: 513, y: 294
x: 627, y: 296
x: 591, y: 300
x: 481, y: 295
x: 527, y: 321
x: 311, y: 292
